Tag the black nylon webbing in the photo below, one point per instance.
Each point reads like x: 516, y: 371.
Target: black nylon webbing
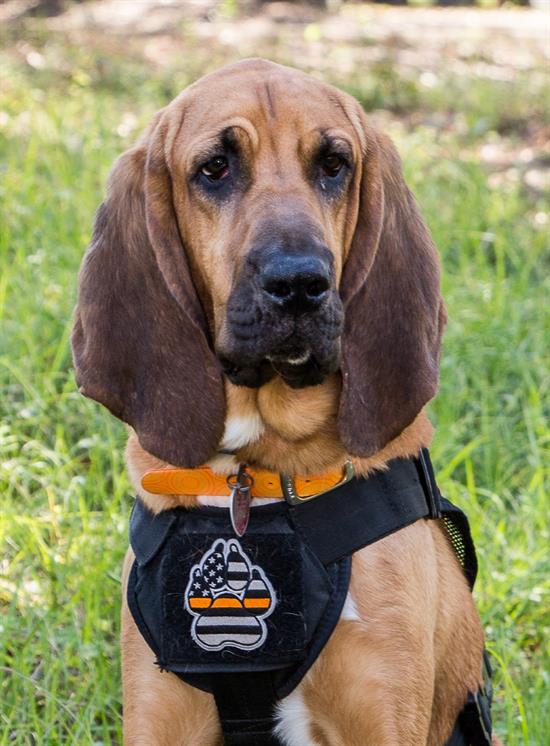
x: 363, y: 511
x: 246, y: 705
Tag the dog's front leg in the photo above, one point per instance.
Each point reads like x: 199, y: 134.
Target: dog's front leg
x: 373, y: 684
x: 360, y: 693
x: 159, y: 708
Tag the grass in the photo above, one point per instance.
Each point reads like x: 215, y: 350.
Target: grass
x: 64, y: 495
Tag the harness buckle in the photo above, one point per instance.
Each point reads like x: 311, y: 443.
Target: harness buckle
x: 293, y: 498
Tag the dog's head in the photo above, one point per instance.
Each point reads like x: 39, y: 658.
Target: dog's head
x: 260, y: 227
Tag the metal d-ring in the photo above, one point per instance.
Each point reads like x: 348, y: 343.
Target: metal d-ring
x: 242, y: 479
x: 293, y: 498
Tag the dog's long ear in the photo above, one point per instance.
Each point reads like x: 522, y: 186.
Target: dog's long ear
x: 140, y: 340
x: 394, y: 312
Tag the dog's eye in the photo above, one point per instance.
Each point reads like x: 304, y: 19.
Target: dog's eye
x: 216, y: 168
x: 332, y: 164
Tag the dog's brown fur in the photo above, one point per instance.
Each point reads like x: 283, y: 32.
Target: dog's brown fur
x: 399, y: 673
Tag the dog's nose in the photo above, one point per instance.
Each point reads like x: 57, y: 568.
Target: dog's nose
x: 296, y: 282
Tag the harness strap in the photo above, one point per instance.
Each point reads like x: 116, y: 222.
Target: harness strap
x: 245, y: 705
x: 365, y: 510
x: 473, y: 727
x: 478, y: 722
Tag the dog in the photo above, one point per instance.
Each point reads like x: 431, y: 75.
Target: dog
x: 261, y: 289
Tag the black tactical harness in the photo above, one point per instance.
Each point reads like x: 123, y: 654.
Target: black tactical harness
x: 246, y: 618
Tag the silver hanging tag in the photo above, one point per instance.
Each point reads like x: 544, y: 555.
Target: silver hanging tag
x: 239, y: 500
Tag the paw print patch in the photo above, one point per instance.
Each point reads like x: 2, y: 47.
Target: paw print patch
x: 229, y: 598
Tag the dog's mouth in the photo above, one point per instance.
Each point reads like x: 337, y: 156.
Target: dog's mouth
x: 294, y: 358
x: 298, y: 366
x: 300, y: 372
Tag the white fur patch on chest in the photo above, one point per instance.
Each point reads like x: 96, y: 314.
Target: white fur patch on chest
x: 349, y: 610
x: 293, y: 721
x: 240, y: 430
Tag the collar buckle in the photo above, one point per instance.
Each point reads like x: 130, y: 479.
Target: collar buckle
x: 293, y: 498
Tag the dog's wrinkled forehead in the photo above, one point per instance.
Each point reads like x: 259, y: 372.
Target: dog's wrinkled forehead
x: 267, y: 105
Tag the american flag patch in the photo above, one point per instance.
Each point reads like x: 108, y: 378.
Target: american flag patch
x: 229, y: 598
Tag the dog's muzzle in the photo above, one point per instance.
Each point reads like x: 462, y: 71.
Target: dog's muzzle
x: 283, y: 317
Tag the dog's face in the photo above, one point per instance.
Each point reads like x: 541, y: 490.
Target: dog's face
x: 263, y: 182
x: 259, y: 228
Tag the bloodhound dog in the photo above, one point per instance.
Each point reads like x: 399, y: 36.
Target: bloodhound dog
x: 260, y: 281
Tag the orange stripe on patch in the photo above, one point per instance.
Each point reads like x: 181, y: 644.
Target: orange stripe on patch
x: 227, y: 603
x: 199, y: 603
x: 257, y: 603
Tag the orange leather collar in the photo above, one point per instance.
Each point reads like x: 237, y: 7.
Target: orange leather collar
x: 203, y: 481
